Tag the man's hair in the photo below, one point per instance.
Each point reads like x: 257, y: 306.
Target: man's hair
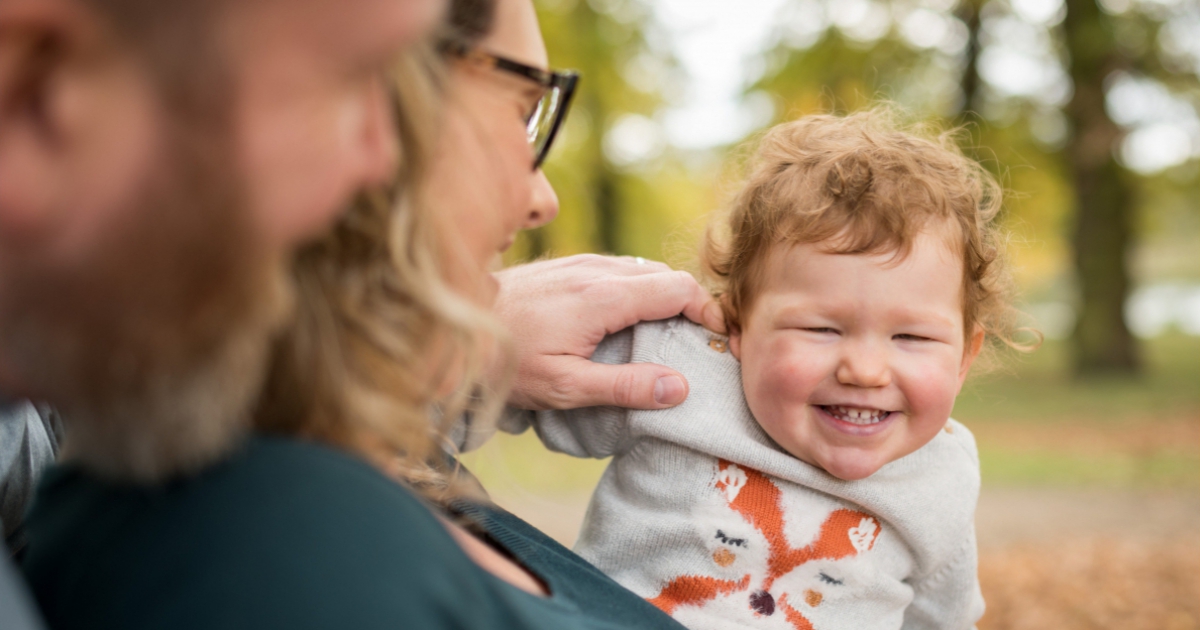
x: 864, y: 184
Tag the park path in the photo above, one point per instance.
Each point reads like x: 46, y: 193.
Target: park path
x: 1015, y: 516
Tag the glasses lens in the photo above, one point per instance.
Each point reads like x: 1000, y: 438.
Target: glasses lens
x: 541, y: 122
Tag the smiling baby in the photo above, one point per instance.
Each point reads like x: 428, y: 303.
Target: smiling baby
x: 813, y: 479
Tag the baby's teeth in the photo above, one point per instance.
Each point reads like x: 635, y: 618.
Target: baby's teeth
x: 857, y: 416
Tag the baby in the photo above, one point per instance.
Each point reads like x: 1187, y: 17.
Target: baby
x: 813, y: 478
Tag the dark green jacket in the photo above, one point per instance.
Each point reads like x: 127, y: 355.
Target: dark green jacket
x: 288, y: 534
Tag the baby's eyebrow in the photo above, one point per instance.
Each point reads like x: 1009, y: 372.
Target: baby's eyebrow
x: 907, y: 315
x: 926, y: 316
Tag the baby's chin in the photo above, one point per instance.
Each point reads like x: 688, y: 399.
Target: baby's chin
x: 849, y: 466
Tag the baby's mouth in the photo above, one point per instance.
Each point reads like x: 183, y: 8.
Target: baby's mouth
x: 856, y: 415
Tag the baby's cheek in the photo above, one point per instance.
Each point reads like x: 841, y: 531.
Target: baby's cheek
x: 780, y: 399
x: 786, y: 379
x: 930, y: 387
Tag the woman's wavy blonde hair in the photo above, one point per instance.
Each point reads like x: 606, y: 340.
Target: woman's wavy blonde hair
x: 864, y: 183
x: 384, y: 358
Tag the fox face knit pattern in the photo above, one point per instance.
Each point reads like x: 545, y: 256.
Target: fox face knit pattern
x: 703, y: 515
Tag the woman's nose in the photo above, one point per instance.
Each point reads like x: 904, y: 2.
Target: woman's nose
x: 864, y: 365
x: 543, y: 206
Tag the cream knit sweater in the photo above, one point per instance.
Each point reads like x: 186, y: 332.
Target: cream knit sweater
x: 702, y: 514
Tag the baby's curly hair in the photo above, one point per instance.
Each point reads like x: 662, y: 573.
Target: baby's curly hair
x: 866, y: 185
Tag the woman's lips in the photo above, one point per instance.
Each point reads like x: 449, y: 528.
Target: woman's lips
x: 854, y: 422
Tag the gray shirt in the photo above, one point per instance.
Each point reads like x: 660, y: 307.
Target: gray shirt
x: 29, y: 438
x: 16, y: 608
x: 702, y: 514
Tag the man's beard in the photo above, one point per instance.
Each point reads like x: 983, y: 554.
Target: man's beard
x: 155, y: 345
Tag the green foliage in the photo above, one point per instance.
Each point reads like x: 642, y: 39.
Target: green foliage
x: 1038, y: 389
x: 604, y: 208
x: 832, y: 72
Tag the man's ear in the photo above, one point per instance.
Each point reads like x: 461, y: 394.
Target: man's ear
x: 970, y: 352
x: 37, y: 38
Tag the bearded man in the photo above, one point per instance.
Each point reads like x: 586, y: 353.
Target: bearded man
x: 159, y: 162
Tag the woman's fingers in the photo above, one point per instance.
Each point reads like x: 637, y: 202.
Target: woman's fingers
x: 662, y: 295
x: 571, y: 381
x: 558, y: 311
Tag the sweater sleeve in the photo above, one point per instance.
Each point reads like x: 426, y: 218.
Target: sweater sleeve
x: 950, y: 598
x: 597, y: 432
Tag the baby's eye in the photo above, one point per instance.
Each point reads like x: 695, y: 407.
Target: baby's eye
x: 908, y: 337
x: 822, y: 330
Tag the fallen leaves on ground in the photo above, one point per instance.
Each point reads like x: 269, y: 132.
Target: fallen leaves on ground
x: 1092, y: 584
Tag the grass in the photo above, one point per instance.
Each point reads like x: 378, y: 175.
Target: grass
x: 1039, y: 388
x: 1036, y: 425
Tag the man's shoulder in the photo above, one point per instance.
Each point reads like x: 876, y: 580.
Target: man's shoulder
x: 285, y: 532
x: 267, y: 479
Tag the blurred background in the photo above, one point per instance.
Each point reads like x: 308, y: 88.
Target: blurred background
x: 1089, y: 113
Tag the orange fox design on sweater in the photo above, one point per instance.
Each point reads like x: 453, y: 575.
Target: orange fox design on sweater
x: 749, y: 493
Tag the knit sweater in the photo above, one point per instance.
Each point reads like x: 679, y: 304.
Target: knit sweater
x: 702, y: 514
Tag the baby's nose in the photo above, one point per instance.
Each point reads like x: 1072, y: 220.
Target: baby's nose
x: 864, y: 367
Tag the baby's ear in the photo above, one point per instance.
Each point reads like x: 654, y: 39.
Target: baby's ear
x: 735, y: 342
x: 732, y: 328
x: 970, y: 353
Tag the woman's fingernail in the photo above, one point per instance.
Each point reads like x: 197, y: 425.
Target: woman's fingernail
x: 669, y: 390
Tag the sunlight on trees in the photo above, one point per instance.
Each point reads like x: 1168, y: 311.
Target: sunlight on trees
x: 1086, y: 110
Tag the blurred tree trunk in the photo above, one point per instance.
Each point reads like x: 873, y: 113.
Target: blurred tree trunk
x: 1103, y: 201
x: 607, y: 226
x: 968, y: 12
x: 968, y: 116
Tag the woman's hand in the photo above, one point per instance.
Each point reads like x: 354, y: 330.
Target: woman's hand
x: 558, y: 311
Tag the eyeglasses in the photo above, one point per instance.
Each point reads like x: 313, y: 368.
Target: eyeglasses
x: 547, y: 116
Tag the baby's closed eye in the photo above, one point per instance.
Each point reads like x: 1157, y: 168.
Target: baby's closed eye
x: 910, y: 337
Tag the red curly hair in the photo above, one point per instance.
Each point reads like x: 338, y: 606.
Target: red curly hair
x: 864, y: 185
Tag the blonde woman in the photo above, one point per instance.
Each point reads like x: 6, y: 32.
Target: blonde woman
x: 343, y: 510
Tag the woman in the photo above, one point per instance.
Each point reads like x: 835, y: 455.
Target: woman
x: 410, y: 321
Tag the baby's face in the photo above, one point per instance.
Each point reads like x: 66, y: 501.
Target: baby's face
x: 853, y: 361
